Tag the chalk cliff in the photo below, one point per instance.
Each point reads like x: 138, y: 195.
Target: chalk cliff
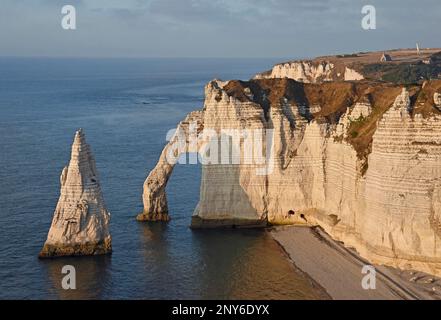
x: 361, y: 159
x: 406, y: 66
x: 80, y: 225
x: 310, y: 71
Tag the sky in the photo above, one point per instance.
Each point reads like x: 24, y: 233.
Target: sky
x: 214, y: 28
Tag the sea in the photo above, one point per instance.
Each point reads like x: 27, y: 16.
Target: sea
x: 125, y: 107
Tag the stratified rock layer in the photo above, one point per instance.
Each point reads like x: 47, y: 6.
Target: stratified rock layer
x: 80, y: 225
x: 360, y: 159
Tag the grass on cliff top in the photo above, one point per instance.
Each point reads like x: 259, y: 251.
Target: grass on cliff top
x: 360, y: 133
x: 424, y: 103
x: 404, y: 72
x: 335, y: 98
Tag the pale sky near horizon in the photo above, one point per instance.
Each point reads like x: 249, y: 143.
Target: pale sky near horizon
x: 216, y: 28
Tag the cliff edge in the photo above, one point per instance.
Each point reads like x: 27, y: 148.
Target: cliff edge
x: 398, y: 66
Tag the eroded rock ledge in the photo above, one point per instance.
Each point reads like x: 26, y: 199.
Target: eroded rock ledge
x: 361, y: 159
x: 80, y: 225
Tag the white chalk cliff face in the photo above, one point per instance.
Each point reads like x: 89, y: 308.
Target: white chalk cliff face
x: 362, y: 160
x: 309, y: 71
x: 352, y: 75
x: 304, y: 71
x: 80, y: 225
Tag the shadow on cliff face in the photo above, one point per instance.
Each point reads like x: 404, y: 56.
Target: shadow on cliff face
x: 270, y: 93
x: 233, y: 194
x: 225, y: 202
x: 333, y: 98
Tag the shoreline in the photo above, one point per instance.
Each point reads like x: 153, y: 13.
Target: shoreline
x: 316, y: 286
x: 337, y: 269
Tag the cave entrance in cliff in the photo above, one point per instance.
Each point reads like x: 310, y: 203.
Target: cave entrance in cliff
x: 183, y: 190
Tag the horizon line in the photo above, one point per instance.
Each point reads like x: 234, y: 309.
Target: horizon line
x: 130, y: 57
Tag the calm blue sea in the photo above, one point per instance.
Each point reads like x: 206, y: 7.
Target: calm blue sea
x: 125, y: 106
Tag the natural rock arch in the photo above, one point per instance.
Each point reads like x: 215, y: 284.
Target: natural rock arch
x: 154, y: 195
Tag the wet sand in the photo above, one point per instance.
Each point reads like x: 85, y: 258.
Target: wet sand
x: 338, y: 270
